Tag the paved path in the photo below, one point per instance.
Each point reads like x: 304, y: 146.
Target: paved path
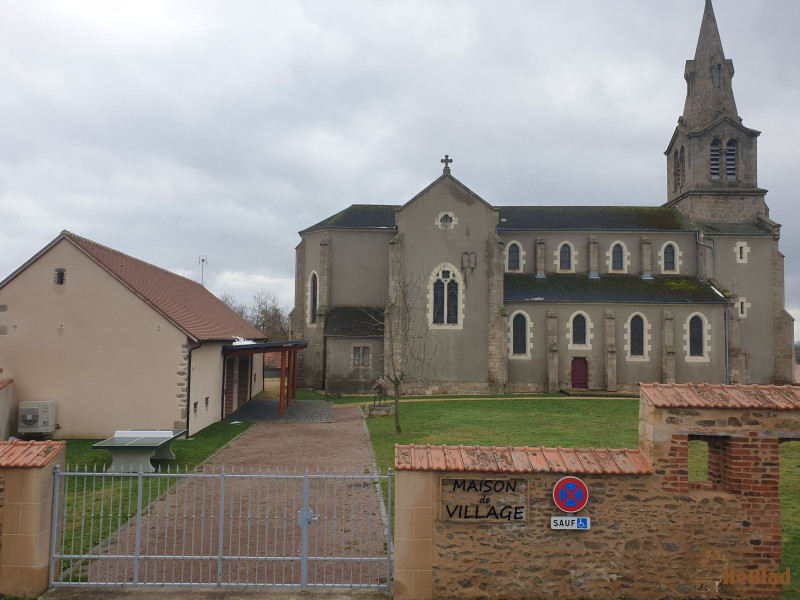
x: 276, y: 445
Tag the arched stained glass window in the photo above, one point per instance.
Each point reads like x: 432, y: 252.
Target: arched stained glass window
x: 616, y: 257
x: 579, y: 330
x: 513, y: 257
x: 696, y: 336
x: 313, y: 315
x: 452, y: 302
x: 438, y: 301
x: 669, y: 257
x: 637, y: 336
x: 520, y: 333
x: 565, y: 257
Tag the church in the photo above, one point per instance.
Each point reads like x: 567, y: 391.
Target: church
x: 453, y: 294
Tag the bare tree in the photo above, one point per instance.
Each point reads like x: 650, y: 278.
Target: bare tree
x: 268, y: 316
x: 265, y: 313
x: 408, y: 344
x: 233, y: 303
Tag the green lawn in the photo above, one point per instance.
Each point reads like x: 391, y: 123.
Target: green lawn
x: 563, y: 422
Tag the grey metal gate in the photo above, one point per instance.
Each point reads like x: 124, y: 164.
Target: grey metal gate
x: 208, y: 529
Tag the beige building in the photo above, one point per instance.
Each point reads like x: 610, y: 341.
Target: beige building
x: 488, y: 298
x: 118, y: 343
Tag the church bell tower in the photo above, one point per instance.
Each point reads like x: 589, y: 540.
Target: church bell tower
x: 711, y: 158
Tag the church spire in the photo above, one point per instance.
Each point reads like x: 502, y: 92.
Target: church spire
x: 709, y: 94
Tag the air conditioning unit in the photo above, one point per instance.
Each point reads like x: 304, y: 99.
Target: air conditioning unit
x: 37, y: 417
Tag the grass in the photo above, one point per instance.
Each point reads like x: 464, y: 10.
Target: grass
x: 565, y: 422
x: 188, y: 453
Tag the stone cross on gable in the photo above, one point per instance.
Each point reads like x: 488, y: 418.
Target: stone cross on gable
x: 446, y: 161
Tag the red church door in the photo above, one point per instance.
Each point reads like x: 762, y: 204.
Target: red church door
x: 580, y: 374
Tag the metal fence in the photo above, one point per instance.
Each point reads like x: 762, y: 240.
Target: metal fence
x: 207, y: 528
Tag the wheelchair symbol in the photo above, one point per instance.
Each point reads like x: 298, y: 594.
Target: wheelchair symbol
x: 582, y: 523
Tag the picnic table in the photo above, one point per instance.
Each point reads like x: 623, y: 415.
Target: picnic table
x: 131, y: 450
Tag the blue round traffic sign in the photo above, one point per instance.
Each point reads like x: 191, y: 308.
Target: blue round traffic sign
x: 570, y: 494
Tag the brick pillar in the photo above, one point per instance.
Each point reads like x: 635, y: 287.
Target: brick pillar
x: 668, y: 373
x: 540, y: 266
x: 552, y: 350
x: 611, y: 350
x: 27, y: 508
x: 647, y: 258
x: 673, y: 468
x: 751, y: 470
x: 415, y: 502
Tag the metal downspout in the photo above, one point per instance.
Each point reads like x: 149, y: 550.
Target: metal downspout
x: 189, y: 387
x: 713, y: 250
x: 727, y: 347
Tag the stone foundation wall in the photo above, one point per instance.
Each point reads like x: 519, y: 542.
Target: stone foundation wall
x: 643, y: 542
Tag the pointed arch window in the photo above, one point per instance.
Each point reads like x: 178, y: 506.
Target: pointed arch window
x: 683, y: 166
x: 445, y: 297
x: 730, y: 159
x: 565, y: 257
x: 669, y: 257
x: 513, y: 257
x: 714, y: 160
x: 696, y: 336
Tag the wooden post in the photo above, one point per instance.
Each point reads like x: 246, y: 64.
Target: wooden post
x: 283, y: 382
x: 294, y: 375
x: 290, y: 360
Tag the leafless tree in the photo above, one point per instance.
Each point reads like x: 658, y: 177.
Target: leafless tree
x: 409, y: 347
x: 265, y: 314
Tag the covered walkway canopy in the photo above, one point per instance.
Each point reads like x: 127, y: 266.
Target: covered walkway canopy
x: 288, y: 352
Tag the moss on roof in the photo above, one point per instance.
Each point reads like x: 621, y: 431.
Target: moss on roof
x: 594, y: 218
x: 524, y: 287
x: 734, y: 229
x: 354, y: 321
x: 359, y: 216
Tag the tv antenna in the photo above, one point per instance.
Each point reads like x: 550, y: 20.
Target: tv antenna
x: 202, y: 260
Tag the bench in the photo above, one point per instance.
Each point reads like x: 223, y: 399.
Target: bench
x: 132, y: 450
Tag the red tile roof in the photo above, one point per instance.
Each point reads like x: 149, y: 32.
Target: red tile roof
x: 186, y: 303
x: 704, y: 395
x: 524, y: 459
x: 28, y: 454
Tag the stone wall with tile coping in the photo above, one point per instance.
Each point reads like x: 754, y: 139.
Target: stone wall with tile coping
x: 649, y: 532
x: 26, y: 504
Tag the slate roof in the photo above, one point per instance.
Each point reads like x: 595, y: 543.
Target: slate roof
x: 354, y: 321
x: 734, y: 229
x: 592, y: 218
x: 359, y: 216
x: 524, y: 459
x: 531, y: 218
x: 29, y: 454
x: 704, y: 395
x: 563, y: 287
x: 186, y: 303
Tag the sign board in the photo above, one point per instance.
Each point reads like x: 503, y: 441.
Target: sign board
x: 483, y: 500
x: 570, y: 523
x: 570, y: 494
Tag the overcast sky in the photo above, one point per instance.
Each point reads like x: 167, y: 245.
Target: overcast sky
x: 174, y: 130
